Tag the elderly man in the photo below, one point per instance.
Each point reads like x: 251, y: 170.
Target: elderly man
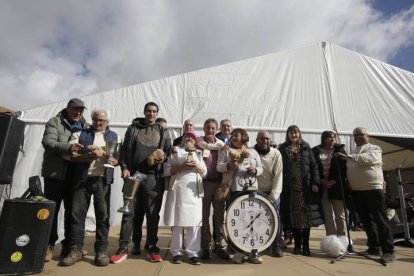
x: 365, y: 176
x: 142, y: 138
x: 225, y: 130
x: 56, y: 170
x: 187, y: 126
x: 91, y: 178
x: 271, y: 180
x: 211, y: 146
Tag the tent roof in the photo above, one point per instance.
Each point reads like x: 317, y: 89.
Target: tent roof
x: 318, y: 87
x: 396, y: 152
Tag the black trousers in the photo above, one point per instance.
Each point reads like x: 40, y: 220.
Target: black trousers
x: 371, y: 208
x: 148, y: 201
x: 58, y: 191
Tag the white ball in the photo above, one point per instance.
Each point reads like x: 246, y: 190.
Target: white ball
x: 334, y: 246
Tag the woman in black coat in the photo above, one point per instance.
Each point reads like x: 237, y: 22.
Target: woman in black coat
x: 332, y: 172
x: 300, y: 188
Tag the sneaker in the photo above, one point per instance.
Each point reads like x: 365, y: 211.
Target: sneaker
x: 101, y: 259
x: 387, y: 257
x: 136, y: 250
x: 177, y: 259
x: 205, y: 254
x: 255, y: 260
x: 238, y: 258
x: 49, y: 253
x: 120, y: 255
x: 277, y: 251
x: 73, y: 257
x: 222, y: 253
x: 154, y: 254
x: 195, y: 261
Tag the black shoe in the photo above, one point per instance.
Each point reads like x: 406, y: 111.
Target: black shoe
x: 277, y: 252
x: 177, y: 259
x: 136, y: 250
x: 222, y: 254
x: 388, y: 257
x: 372, y: 251
x: 297, y: 251
x: 205, y: 254
x: 306, y: 251
x: 195, y: 261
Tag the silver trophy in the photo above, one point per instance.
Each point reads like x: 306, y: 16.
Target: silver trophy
x: 111, y: 149
x: 131, y: 185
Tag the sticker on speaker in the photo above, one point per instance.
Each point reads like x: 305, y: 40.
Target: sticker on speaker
x: 16, y: 256
x: 23, y: 240
x: 43, y: 214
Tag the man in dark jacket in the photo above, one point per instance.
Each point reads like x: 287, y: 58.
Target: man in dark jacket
x: 56, y: 170
x: 91, y: 177
x: 143, y: 137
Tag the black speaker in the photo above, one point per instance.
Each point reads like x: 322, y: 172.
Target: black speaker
x: 25, y: 227
x: 11, y: 137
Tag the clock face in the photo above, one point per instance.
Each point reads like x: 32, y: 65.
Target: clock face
x: 251, y: 222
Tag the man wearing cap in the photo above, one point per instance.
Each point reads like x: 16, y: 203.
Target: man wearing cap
x: 143, y: 137
x: 56, y: 171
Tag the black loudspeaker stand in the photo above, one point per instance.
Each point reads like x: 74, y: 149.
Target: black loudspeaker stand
x: 350, y: 248
x: 11, y: 138
x: 25, y: 227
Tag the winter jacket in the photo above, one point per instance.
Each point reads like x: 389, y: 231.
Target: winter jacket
x: 335, y: 173
x: 56, y: 143
x: 310, y: 176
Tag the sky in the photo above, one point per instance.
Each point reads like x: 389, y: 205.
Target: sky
x: 51, y: 51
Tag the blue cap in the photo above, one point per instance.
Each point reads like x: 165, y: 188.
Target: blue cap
x: 75, y: 102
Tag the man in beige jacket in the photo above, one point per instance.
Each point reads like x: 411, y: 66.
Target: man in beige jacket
x: 364, y: 173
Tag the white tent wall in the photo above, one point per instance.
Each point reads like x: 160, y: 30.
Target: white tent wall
x: 319, y: 87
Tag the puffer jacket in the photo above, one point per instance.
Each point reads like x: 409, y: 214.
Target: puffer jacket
x: 56, y: 143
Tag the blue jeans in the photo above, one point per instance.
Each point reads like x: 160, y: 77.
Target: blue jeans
x: 81, y: 200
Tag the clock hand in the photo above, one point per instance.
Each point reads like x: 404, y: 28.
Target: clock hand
x: 252, y: 221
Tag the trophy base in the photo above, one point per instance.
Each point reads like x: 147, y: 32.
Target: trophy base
x: 108, y: 166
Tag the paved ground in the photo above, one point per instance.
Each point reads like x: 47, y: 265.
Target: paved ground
x: 318, y: 264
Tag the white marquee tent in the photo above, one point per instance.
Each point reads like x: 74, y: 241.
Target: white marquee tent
x: 319, y: 87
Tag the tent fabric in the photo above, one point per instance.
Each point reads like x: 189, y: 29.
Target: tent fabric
x: 318, y: 87
x: 397, y: 152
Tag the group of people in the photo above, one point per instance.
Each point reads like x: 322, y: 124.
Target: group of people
x: 297, y: 179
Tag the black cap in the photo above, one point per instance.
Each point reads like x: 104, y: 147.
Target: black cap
x: 75, y: 102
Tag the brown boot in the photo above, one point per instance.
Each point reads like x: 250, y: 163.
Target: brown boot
x: 49, y: 253
x: 101, y: 259
x: 74, y: 256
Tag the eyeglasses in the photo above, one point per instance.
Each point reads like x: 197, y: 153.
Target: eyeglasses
x: 100, y: 120
x: 359, y: 134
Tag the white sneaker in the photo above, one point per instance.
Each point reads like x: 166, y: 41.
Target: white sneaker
x: 238, y: 258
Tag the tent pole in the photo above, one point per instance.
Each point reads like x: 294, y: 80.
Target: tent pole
x: 407, y: 240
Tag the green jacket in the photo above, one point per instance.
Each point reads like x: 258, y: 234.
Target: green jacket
x: 56, y: 143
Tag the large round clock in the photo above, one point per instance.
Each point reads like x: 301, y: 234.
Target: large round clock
x: 251, y: 222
